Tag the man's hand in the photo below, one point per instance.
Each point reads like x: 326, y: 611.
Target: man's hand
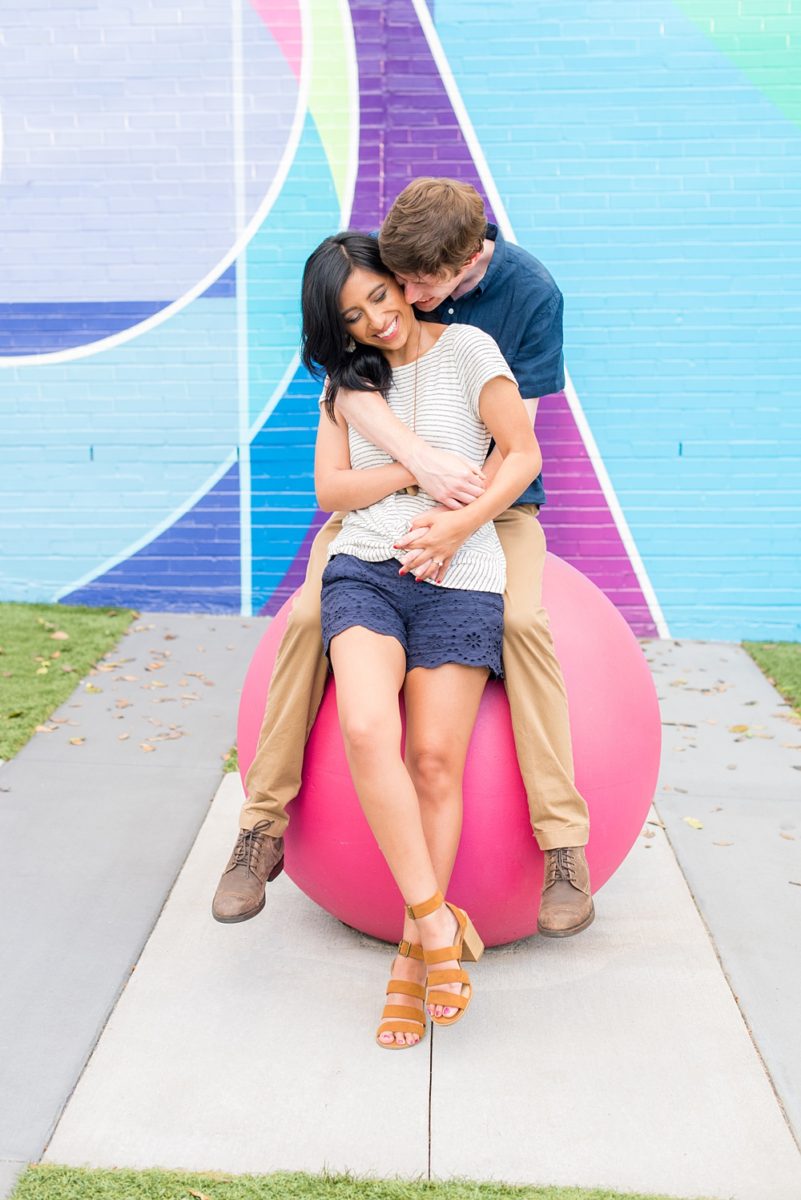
x: 448, y: 478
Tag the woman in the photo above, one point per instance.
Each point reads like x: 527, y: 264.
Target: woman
x: 436, y: 631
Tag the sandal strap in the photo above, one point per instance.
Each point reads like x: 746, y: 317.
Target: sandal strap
x: 454, y: 975
x: 402, y: 1013
x: 443, y: 954
x: 449, y: 999
x: 410, y: 950
x: 404, y: 987
x: 416, y: 911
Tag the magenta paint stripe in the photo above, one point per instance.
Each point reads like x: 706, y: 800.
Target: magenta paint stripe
x: 408, y: 128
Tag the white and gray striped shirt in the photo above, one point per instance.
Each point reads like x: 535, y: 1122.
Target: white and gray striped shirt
x: 450, y: 377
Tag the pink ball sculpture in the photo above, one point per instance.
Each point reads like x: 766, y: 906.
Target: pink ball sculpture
x: 614, y: 717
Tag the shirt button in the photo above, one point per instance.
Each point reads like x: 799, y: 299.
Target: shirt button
x: 450, y: 312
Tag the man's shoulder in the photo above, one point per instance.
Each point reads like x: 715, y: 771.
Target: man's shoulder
x: 464, y: 337
x: 532, y: 283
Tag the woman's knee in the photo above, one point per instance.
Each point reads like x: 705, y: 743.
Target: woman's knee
x: 434, y: 769
x: 364, y: 736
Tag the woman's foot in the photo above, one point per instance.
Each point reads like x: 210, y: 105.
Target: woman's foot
x: 437, y: 930
x: 409, y: 970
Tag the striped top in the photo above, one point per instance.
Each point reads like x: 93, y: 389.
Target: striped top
x: 450, y: 377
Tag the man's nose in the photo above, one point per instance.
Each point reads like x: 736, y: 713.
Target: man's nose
x: 413, y: 292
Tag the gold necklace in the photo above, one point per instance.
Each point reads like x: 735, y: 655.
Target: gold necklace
x: 414, y: 384
x: 414, y: 488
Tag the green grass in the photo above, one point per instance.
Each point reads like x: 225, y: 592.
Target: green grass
x: 73, y: 1183
x: 781, y: 662
x: 231, y: 761
x: 40, y: 667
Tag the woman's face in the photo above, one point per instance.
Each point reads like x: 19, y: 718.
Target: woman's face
x: 375, y: 311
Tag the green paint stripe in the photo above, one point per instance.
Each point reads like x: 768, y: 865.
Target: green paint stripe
x: 761, y: 39
x: 329, y: 100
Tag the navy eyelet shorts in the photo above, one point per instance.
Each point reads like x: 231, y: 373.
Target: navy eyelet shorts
x: 434, y: 624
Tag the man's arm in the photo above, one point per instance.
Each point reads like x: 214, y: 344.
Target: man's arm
x: 448, y: 478
x: 340, y: 488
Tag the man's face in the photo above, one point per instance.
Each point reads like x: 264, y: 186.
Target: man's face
x: 426, y: 292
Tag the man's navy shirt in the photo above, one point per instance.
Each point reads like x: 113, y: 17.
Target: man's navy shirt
x: 519, y: 305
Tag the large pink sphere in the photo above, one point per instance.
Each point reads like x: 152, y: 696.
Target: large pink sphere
x: 614, y: 718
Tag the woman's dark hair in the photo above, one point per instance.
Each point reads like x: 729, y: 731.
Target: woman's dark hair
x: 325, y: 335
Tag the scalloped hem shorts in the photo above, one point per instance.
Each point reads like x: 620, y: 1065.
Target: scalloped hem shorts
x: 435, y: 625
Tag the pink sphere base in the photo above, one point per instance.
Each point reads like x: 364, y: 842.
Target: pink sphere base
x: 615, y: 724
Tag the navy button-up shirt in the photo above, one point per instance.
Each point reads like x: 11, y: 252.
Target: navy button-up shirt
x: 519, y: 305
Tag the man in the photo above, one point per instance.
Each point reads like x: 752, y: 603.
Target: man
x: 456, y: 267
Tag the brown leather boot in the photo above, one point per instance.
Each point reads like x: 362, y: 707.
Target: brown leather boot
x: 256, y: 860
x: 566, y: 906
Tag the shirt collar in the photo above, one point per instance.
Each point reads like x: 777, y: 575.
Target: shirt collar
x: 493, y: 234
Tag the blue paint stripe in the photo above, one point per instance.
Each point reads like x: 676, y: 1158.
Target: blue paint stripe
x: 192, y: 566
x: 43, y: 328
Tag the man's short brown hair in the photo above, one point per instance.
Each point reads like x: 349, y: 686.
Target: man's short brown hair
x: 435, y: 226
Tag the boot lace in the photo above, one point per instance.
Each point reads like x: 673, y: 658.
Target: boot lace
x: 247, y: 847
x: 562, y: 864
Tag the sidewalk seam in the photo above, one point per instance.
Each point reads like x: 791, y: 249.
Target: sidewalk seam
x: 796, y: 1137
x: 430, y: 1093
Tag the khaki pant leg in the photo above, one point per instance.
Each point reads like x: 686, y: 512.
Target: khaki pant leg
x: 536, y: 689
x: 296, y: 692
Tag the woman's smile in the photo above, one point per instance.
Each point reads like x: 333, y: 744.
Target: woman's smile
x: 389, y: 331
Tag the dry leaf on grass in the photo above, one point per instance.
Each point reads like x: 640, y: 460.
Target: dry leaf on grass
x: 198, y: 1195
x: 60, y: 636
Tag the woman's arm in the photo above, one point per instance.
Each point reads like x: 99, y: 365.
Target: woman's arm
x: 437, y: 534
x: 341, y: 489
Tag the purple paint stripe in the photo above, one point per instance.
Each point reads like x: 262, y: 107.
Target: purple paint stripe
x: 408, y: 127
x: 577, y: 521
x: 297, y: 572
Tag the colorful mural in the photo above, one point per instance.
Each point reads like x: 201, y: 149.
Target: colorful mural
x: 162, y: 194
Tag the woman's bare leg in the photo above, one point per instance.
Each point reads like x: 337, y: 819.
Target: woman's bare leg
x: 441, y: 708
x: 369, y: 669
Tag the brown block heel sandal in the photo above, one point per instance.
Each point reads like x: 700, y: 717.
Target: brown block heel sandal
x: 468, y: 946
x: 402, y: 1018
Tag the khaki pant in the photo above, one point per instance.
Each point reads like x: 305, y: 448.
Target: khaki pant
x: 533, y: 679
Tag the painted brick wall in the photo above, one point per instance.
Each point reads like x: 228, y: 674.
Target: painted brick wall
x: 165, y: 169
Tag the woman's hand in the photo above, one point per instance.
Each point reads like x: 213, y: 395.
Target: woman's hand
x: 432, y: 540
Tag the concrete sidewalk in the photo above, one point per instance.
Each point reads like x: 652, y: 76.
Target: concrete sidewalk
x: 619, y: 1058
x: 92, y: 837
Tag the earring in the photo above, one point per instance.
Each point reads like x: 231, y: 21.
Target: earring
x: 350, y: 345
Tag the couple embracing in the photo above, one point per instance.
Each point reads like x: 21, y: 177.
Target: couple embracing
x: 436, y: 341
